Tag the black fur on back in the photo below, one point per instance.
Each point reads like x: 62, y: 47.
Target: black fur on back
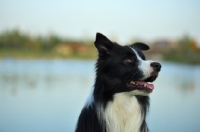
x: 88, y: 120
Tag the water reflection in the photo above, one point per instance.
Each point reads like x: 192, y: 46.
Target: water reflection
x: 47, y: 95
x: 31, y: 74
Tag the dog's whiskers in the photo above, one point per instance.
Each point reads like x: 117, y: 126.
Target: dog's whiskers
x: 135, y: 74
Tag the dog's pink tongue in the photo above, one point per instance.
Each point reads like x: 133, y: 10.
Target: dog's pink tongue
x: 150, y: 86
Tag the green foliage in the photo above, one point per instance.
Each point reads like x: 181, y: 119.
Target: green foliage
x: 185, y: 51
x: 17, y: 40
x: 20, y: 45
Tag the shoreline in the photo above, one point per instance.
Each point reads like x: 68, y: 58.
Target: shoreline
x: 50, y: 57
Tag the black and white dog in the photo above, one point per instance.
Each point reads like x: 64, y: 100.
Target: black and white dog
x: 119, y: 100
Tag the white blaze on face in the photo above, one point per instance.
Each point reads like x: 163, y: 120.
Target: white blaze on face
x: 144, y: 66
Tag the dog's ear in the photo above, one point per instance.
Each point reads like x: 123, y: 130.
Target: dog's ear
x: 102, y: 43
x: 140, y: 46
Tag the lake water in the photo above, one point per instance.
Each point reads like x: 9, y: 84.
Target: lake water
x: 48, y: 95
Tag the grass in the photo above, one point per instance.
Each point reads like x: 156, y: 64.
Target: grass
x: 29, y: 54
x: 189, y: 58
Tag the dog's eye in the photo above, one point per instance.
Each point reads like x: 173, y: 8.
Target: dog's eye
x: 128, y: 60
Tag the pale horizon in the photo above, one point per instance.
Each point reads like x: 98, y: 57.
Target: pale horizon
x: 120, y: 21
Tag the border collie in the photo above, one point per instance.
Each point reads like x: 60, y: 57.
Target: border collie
x: 119, y: 99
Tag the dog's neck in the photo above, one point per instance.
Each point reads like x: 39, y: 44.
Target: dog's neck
x: 124, y: 114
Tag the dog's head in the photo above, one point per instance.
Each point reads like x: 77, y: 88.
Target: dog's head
x: 124, y: 68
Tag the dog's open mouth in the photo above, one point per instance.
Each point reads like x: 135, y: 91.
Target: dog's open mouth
x: 141, y: 85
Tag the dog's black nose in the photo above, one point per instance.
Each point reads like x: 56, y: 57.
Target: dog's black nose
x: 156, y: 66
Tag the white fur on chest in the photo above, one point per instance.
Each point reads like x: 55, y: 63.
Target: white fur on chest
x: 123, y: 114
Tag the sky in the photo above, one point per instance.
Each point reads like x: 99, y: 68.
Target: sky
x: 122, y: 21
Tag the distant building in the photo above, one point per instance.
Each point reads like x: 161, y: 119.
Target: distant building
x: 72, y: 48
x: 63, y: 49
x: 162, y: 45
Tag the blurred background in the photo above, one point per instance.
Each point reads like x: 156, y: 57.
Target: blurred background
x: 47, y: 59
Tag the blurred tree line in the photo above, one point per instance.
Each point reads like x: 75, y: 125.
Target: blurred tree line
x: 17, y: 40
x: 17, y: 44
x: 22, y: 45
x: 184, y: 50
